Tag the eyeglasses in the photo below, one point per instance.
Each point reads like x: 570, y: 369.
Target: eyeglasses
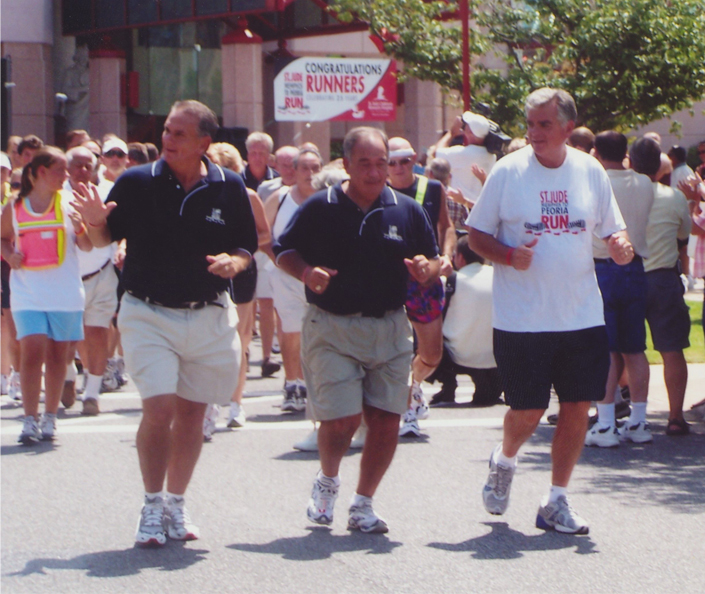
x: 114, y: 154
x: 404, y: 161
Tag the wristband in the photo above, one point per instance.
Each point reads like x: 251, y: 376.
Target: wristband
x: 509, y: 256
x: 305, y: 272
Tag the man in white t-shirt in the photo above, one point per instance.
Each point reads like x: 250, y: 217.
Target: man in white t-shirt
x: 535, y: 219
x: 464, y: 160
x: 100, y: 283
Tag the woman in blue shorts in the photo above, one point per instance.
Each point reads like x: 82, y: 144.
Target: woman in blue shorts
x: 40, y: 237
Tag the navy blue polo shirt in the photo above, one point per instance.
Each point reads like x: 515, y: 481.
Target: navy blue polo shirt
x: 169, y: 233
x: 367, y: 249
x: 431, y: 199
x: 252, y: 182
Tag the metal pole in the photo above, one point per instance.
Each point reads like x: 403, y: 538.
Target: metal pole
x: 465, y: 18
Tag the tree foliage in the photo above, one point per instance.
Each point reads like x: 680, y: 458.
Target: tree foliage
x: 626, y: 62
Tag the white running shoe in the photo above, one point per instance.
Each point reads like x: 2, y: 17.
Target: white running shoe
x: 178, y: 522
x: 638, y: 433
x: 418, y: 401
x: 409, y: 425
x: 237, y: 417
x: 308, y: 443
x: 561, y: 517
x: 300, y: 398
x: 322, y: 501
x: 14, y: 390
x: 30, y: 431
x: 495, y: 493
x: 358, y: 440
x: 602, y: 436
x: 47, y: 425
x: 150, y: 526
x: 290, y: 393
x: 362, y: 517
x: 209, y: 421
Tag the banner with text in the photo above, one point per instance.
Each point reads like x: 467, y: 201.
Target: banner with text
x: 320, y: 89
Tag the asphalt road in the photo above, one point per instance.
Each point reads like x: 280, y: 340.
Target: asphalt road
x: 69, y: 510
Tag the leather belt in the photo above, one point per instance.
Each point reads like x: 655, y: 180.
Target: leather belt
x: 175, y: 305
x: 92, y: 274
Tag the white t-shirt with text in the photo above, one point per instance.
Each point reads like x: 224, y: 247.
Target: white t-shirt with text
x: 563, y: 208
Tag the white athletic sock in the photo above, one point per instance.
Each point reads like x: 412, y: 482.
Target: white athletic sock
x: 92, y: 386
x: 556, y: 492
x: 149, y: 497
x: 329, y: 480
x: 500, y: 458
x: 605, y: 414
x: 71, y: 372
x: 300, y: 382
x: 172, y: 499
x: 358, y: 499
x: 638, y: 414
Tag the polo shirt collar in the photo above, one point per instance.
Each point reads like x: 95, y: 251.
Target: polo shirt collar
x: 388, y: 197
x: 214, y: 172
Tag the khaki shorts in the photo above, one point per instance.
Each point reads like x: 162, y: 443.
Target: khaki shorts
x: 348, y: 360
x: 264, y: 271
x: 192, y: 353
x: 101, y: 298
x: 289, y: 300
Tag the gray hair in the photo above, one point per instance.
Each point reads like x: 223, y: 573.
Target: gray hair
x: 352, y: 138
x: 256, y: 137
x: 207, y: 120
x: 567, y: 111
x: 307, y: 151
x: 330, y: 175
x: 80, y: 151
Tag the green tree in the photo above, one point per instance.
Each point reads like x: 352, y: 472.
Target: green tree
x: 626, y: 62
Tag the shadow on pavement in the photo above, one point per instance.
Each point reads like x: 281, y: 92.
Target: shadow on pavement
x: 667, y: 471
x: 172, y: 557
x: 320, y: 543
x: 504, y: 543
x: 41, y: 447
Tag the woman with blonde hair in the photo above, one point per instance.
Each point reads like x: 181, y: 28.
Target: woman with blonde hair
x: 244, y: 284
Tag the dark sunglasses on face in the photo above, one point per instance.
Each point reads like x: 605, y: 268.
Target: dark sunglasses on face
x: 404, y: 161
x: 114, y: 154
x: 16, y: 185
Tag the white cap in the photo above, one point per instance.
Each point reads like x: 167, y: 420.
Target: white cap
x: 479, y: 125
x: 5, y: 162
x: 114, y: 143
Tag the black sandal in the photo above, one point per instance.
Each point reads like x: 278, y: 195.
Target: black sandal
x: 676, y: 427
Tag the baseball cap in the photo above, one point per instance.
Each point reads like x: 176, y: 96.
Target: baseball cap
x: 5, y: 162
x: 114, y: 143
x: 479, y: 125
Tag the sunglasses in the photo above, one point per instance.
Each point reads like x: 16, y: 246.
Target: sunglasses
x: 701, y: 152
x: 404, y: 161
x: 114, y: 154
x: 16, y: 185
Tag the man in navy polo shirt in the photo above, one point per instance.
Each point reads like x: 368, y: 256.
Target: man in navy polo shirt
x: 354, y: 246
x: 189, y: 229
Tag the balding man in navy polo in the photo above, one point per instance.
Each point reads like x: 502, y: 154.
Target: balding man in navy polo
x: 354, y: 246
x: 189, y: 229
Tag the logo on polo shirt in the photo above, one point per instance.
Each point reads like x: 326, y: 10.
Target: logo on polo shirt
x: 215, y: 217
x: 392, y: 234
